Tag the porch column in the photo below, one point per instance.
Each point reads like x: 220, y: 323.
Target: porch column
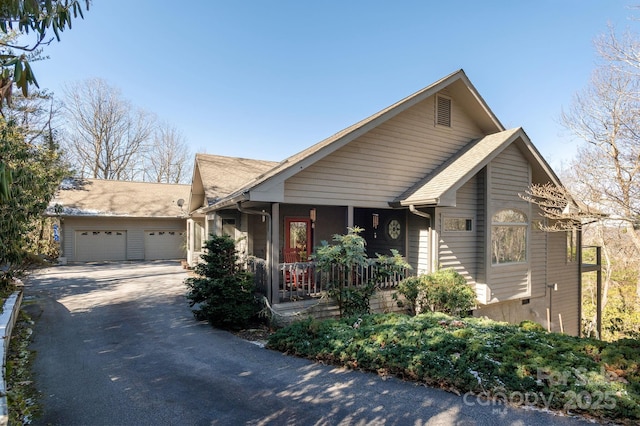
x: 190, y: 241
x: 207, y: 222
x: 275, y: 253
x: 349, y: 217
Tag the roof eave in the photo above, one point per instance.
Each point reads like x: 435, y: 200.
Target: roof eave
x: 432, y: 202
x: 230, y: 201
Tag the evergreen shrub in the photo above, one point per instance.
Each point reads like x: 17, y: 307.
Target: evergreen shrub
x: 222, y: 292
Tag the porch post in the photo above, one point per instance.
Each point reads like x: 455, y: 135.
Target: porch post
x: 207, y: 222
x: 275, y: 252
x: 190, y: 241
x: 349, y: 217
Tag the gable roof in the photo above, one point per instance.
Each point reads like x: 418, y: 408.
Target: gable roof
x: 457, y: 83
x: 216, y: 176
x: 98, y: 197
x: 438, y: 188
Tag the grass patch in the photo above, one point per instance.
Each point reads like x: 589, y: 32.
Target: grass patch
x: 22, y: 396
x: 520, y: 365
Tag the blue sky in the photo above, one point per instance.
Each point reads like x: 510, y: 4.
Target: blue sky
x: 264, y: 80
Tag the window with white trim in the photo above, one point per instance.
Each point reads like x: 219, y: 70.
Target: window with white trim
x: 508, y: 237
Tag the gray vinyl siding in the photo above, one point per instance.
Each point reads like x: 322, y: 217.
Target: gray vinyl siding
x: 566, y: 299
x: 509, y: 175
x: 418, y: 244
x: 459, y: 249
x: 134, y: 228
x: 257, y: 236
x: 378, y: 166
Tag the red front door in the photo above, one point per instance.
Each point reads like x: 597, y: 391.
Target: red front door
x: 297, y: 239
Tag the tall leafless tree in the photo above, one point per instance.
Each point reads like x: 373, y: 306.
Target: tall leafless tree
x: 605, y: 174
x: 107, y: 136
x: 169, y: 159
x: 606, y: 116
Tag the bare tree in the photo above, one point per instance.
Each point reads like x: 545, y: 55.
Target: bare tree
x: 606, y: 116
x: 169, y: 159
x: 108, y: 137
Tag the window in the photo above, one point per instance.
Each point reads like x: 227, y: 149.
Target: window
x: 443, y: 111
x: 457, y: 224
x: 508, y: 237
x: 198, y: 230
x: 229, y: 227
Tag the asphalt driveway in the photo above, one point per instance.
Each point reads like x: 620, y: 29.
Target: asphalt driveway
x: 117, y: 345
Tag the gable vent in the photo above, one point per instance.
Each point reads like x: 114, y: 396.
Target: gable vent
x: 443, y: 111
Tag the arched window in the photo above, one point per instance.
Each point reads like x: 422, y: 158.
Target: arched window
x: 508, y: 237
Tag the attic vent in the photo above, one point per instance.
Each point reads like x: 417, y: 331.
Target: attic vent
x: 443, y: 111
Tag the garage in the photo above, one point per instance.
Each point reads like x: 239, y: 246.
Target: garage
x: 107, y: 220
x: 100, y: 245
x: 164, y: 244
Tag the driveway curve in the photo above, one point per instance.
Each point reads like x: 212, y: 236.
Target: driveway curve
x: 117, y: 345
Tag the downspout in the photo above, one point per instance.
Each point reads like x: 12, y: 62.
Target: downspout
x: 268, y: 254
x: 426, y: 215
x: 417, y: 212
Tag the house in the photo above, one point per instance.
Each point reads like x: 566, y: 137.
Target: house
x: 105, y: 220
x: 435, y: 176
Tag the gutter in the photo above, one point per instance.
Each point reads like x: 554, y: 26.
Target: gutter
x: 235, y: 200
x: 268, y: 253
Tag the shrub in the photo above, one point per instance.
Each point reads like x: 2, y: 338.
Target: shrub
x: 410, y: 288
x: 527, y: 325
x: 349, y: 255
x: 447, y: 291
x: 491, y: 359
x: 442, y: 291
x: 222, y: 290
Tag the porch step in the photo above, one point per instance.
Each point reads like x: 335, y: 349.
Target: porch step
x: 285, y: 313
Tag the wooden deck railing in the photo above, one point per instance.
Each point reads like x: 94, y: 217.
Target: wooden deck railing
x: 301, y: 280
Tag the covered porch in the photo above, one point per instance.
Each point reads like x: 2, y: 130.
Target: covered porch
x: 278, y: 240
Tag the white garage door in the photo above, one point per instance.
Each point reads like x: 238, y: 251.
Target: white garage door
x: 100, y: 245
x: 159, y: 245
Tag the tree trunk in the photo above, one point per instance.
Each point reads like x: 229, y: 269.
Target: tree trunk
x: 636, y: 242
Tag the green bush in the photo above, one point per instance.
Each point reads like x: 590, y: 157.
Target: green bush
x: 447, y: 291
x: 442, y: 291
x: 222, y: 291
x: 349, y: 255
x: 410, y: 288
x: 530, y: 326
x: 515, y: 364
x: 355, y: 300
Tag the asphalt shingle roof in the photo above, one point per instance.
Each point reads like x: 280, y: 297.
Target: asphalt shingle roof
x: 222, y: 175
x: 97, y: 197
x: 453, y: 172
